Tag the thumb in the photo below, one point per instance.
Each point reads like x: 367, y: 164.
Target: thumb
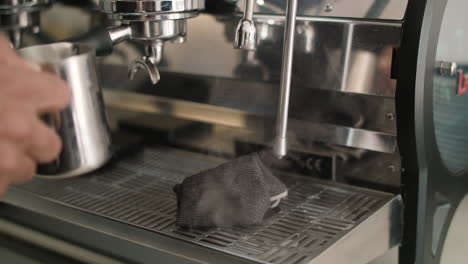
x: 7, y: 51
x: 8, y: 56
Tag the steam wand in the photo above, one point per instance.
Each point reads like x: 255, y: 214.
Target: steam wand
x: 245, y: 39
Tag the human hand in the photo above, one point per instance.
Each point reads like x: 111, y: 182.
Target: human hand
x: 25, y: 94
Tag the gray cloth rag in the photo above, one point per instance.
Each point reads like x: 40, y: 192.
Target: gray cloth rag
x: 236, y: 193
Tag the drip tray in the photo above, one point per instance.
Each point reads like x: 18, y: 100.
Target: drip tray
x: 319, y: 222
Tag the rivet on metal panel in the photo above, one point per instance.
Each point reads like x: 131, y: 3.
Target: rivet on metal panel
x: 448, y: 68
x: 328, y: 8
x: 391, y: 168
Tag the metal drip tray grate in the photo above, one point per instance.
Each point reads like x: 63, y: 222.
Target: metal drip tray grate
x: 138, y: 191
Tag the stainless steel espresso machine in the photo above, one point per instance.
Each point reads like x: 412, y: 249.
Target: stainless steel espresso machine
x: 363, y: 101
x: 20, y: 16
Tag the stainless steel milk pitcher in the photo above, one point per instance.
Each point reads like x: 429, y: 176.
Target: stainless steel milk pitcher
x: 83, y: 125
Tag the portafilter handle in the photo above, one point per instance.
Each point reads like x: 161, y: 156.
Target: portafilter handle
x: 103, y: 39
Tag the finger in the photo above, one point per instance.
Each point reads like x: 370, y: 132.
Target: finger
x: 30, y: 134
x: 53, y: 93
x: 4, y: 181
x: 15, y: 165
x: 61, y: 94
x: 43, y: 92
x: 9, y: 55
x: 28, y: 170
x: 45, y: 144
x: 17, y: 125
x: 7, y: 49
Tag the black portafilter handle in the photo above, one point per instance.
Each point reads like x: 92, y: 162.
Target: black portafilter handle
x: 98, y: 38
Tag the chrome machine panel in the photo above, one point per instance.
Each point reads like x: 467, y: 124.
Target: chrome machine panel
x: 368, y: 9
x: 341, y: 75
x: 332, y: 54
x: 342, y: 91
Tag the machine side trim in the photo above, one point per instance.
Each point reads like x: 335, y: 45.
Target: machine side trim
x: 370, y: 233
x: 54, y: 244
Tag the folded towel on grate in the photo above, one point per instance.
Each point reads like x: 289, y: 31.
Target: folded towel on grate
x: 236, y: 193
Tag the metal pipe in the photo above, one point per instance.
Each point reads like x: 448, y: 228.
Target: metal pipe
x: 248, y: 9
x: 120, y: 34
x: 280, y: 142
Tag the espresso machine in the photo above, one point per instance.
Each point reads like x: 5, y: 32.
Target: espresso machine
x: 363, y: 102
x: 20, y: 16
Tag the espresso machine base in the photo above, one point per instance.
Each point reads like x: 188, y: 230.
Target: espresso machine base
x: 320, y: 222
